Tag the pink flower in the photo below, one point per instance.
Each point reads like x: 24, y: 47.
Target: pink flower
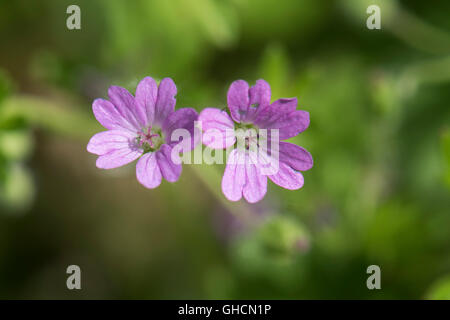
x: 250, y: 109
x: 141, y: 127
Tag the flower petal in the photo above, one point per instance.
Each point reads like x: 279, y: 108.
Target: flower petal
x: 169, y: 169
x: 255, y: 187
x: 107, y: 141
x: 126, y: 106
x: 267, y: 164
x: 295, y: 156
x: 109, y: 117
x: 233, y: 180
x: 183, y: 119
x: 287, y: 177
x: 165, y: 103
x: 218, y: 128
x: 146, y: 96
x: 260, y: 94
x: 289, y: 124
x: 148, y: 172
x: 238, y: 100
x: 278, y: 109
x: 117, y: 158
x: 285, y: 105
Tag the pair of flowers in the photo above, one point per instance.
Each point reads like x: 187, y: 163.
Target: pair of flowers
x: 141, y: 127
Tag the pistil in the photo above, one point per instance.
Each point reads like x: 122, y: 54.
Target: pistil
x: 150, y: 139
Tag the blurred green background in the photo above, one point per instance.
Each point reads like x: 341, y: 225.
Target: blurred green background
x: 380, y: 137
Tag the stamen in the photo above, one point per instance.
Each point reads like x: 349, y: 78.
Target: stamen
x: 150, y: 139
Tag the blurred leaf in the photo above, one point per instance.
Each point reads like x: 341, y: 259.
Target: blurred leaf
x: 215, y: 20
x: 219, y: 283
x: 15, y: 144
x: 445, y: 138
x: 275, y: 70
x: 51, y: 68
x: 16, y: 188
x: 274, y: 20
x: 274, y: 253
x: 283, y: 237
x: 356, y: 9
x: 396, y: 235
x: 5, y: 86
x: 440, y: 290
x: 384, y: 93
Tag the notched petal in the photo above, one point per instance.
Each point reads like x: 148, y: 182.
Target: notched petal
x: 109, y: 117
x: 117, y: 158
x: 107, y: 141
x: 166, y: 101
x: 126, y: 106
x: 146, y: 95
x: 260, y: 94
x: 218, y: 128
x: 287, y: 177
x: 238, y: 100
x: 295, y: 156
x: 148, y: 172
x: 256, y: 184
x: 233, y: 179
x: 169, y: 167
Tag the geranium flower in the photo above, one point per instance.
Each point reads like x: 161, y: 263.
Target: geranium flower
x: 251, y: 110
x: 141, y: 127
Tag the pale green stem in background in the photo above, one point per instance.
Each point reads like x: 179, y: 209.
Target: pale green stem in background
x: 404, y: 25
x: 51, y: 116
x: 418, y: 34
x: 430, y: 71
x: 211, y: 178
x: 72, y: 122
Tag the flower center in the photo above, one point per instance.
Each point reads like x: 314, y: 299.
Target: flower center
x: 247, y: 135
x: 246, y: 126
x: 150, y: 139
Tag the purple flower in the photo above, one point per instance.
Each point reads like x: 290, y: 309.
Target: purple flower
x: 250, y: 109
x: 141, y: 127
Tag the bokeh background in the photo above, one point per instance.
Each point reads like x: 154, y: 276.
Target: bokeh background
x: 379, y: 134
